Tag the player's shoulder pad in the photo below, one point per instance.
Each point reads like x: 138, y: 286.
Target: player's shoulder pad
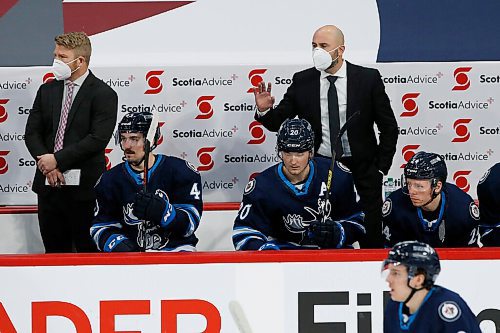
x: 250, y: 186
x: 343, y: 167
x: 483, y: 178
x: 387, y: 207
x: 191, y: 166
x: 449, y: 311
x: 474, y: 210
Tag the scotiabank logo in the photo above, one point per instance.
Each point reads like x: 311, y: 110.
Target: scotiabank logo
x: 206, y: 162
x: 460, y: 179
x: 160, y: 139
x: 255, y: 78
x: 408, y: 151
x: 461, y: 78
x: 154, y: 82
x: 205, y: 108
x: 409, y: 104
x: 257, y: 131
x: 48, y: 77
x: 3, y: 111
x: 4, y: 166
x: 106, y: 158
x: 460, y: 127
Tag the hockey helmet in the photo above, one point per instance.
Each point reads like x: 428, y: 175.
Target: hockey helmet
x: 425, y: 165
x: 295, y: 135
x: 418, y: 257
x: 488, y: 195
x: 137, y: 122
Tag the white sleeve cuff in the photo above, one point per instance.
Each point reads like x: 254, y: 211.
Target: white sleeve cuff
x: 262, y: 113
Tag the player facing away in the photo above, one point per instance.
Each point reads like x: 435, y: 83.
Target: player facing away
x: 416, y: 303
x: 429, y: 209
x: 162, y: 218
x: 284, y: 207
x: 488, y: 193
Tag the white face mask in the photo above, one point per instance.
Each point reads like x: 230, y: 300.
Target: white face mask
x: 322, y: 59
x: 61, y: 70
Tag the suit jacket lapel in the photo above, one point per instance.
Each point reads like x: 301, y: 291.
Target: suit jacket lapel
x: 57, y: 96
x: 351, y: 89
x: 80, y: 96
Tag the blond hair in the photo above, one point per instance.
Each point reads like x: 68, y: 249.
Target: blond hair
x: 79, y: 42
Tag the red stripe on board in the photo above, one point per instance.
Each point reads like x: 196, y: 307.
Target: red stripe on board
x: 229, y: 257
x: 209, y: 206
x: 96, y: 17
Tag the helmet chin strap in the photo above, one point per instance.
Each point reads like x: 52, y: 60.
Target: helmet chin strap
x: 413, y: 291
x: 433, y: 196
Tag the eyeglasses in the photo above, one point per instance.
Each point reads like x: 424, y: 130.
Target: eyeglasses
x: 133, y: 141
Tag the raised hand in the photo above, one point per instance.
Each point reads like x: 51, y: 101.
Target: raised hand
x: 263, y: 98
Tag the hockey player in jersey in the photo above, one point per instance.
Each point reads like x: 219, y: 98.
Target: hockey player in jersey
x: 488, y: 193
x: 166, y: 216
x: 416, y: 303
x: 429, y: 209
x: 282, y: 207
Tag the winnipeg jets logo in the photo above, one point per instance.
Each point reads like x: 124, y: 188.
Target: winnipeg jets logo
x: 128, y: 215
x: 449, y: 311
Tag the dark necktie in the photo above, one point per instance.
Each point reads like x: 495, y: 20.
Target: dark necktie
x: 333, y: 113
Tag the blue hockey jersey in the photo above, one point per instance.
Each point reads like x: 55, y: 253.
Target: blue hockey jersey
x: 274, y: 210
x: 116, y: 191
x: 442, y: 311
x: 457, y: 224
x: 488, y: 193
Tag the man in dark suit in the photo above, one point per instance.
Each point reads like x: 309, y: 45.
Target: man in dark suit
x: 327, y: 96
x: 68, y: 128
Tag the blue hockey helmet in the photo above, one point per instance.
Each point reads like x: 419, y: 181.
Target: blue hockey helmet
x: 137, y: 122
x: 295, y: 135
x: 425, y: 165
x: 488, y: 196
x: 418, y: 257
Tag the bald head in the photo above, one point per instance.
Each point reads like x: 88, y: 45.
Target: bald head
x: 331, y: 33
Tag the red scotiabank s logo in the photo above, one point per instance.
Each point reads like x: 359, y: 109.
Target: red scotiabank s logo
x: 106, y: 157
x: 4, y: 166
x: 154, y: 82
x: 460, y: 127
x: 461, y: 78
x: 408, y: 151
x: 48, y: 77
x: 206, y: 162
x: 460, y: 179
x: 409, y: 104
x: 255, y: 78
x: 3, y: 111
x: 257, y: 131
x: 160, y: 139
x: 205, y: 108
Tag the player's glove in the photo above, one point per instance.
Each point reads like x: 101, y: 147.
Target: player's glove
x: 269, y: 246
x: 154, y: 208
x: 120, y: 243
x: 328, y: 234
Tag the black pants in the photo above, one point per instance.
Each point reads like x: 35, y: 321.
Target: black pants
x: 65, y: 221
x: 368, y: 181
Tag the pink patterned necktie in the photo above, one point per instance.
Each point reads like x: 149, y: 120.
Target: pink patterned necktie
x: 58, y: 144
